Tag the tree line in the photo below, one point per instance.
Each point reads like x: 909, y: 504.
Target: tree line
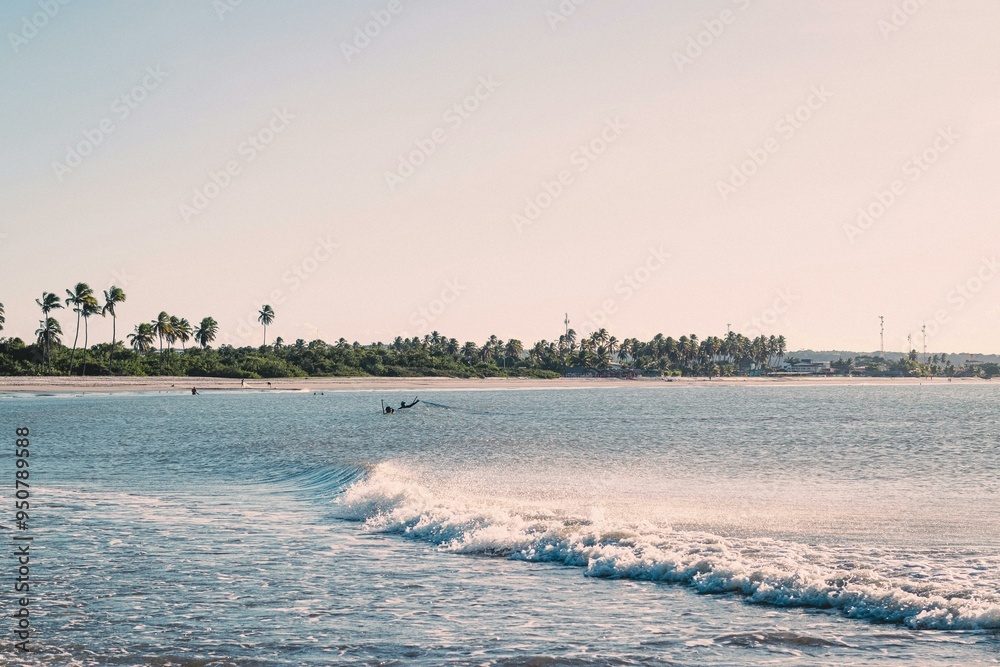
x: 150, y: 349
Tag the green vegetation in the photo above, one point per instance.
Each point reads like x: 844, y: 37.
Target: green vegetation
x: 937, y: 365
x: 150, y: 350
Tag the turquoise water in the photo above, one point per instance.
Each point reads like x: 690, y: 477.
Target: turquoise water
x: 711, y: 525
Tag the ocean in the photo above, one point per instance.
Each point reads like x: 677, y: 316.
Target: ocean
x: 666, y: 525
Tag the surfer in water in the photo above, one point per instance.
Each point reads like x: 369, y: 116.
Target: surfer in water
x: 388, y: 409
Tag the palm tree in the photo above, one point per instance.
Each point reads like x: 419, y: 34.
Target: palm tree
x: 2, y: 318
x: 782, y: 347
x: 172, y: 335
x: 206, y: 331
x: 469, y: 352
x: 113, y: 295
x: 182, y: 331
x: 161, y: 328
x: 48, y: 333
x: 266, y: 317
x: 77, y: 297
x: 90, y: 307
x: 625, y: 351
x: 602, y: 354
x: 513, y: 350
x: 142, y: 339
x: 583, y: 356
x: 48, y: 303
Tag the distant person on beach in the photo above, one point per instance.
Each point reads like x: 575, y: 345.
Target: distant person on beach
x: 243, y: 383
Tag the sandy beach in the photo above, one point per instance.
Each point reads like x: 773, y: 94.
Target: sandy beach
x: 31, y: 384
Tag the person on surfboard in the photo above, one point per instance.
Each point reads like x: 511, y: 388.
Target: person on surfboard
x: 403, y: 405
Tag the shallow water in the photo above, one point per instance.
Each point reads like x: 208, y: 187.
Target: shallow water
x: 683, y: 525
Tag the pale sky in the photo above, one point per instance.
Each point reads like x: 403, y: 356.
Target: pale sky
x: 622, y: 123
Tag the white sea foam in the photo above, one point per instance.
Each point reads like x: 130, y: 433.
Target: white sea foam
x: 916, y: 589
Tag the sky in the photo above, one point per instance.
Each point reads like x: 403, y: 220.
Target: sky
x: 382, y: 168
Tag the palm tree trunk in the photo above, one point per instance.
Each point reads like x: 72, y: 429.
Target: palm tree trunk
x: 86, y: 337
x: 72, y: 357
x: 161, y: 355
x: 111, y: 356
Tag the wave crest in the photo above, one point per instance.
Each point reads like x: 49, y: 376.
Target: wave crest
x: 767, y: 571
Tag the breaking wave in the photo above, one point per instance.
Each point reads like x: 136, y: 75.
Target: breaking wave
x: 940, y: 590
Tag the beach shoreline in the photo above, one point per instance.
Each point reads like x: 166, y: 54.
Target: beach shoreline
x: 99, y: 384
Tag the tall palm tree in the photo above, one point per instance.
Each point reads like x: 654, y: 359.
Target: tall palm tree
x: 266, y: 316
x: 182, y: 331
x: 161, y: 328
x: 2, y: 318
x: 48, y: 333
x: 613, y: 345
x: 172, y: 336
x: 89, y: 307
x: 77, y: 297
x: 48, y: 303
x: 142, y: 339
x: 206, y: 331
x: 112, y: 296
x: 782, y: 348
